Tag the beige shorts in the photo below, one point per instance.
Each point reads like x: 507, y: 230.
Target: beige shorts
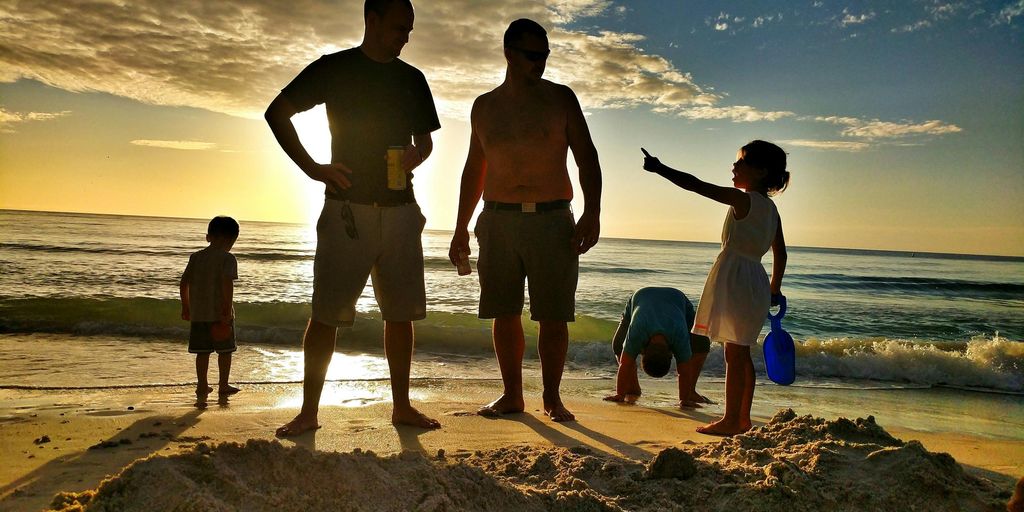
x: 382, y: 243
x: 534, y: 247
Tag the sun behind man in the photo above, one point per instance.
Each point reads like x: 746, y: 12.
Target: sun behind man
x: 374, y: 102
x: 521, y: 134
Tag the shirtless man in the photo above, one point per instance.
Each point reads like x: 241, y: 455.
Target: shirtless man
x: 521, y: 134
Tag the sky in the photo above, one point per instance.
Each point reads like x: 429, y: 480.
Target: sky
x: 904, y: 121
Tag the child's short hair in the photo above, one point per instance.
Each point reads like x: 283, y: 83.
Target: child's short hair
x: 223, y: 226
x: 771, y: 158
x: 656, y: 360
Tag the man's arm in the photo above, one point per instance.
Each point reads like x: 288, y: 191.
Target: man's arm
x: 279, y: 117
x: 588, y: 229
x: 417, y: 153
x: 471, y: 189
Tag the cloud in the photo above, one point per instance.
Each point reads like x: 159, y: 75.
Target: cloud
x: 234, y: 56
x: 761, y: 21
x: 738, y: 113
x: 876, y: 129
x: 190, y: 145
x: 723, y: 21
x: 1006, y: 15
x: 912, y: 27
x: 9, y: 119
x: 855, y: 19
x: 836, y: 145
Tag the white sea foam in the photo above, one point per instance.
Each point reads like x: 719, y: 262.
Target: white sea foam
x: 994, y: 362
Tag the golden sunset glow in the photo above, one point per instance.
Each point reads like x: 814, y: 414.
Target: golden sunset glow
x: 918, y: 164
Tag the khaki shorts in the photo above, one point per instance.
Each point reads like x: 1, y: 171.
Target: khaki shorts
x: 386, y: 247
x: 535, y: 247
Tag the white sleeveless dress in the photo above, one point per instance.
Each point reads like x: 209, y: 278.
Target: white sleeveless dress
x: 737, y: 295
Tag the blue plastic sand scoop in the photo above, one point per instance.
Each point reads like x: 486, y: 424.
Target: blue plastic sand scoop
x: 779, y: 352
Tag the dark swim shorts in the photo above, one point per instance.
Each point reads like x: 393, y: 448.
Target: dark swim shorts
x: 201, y: 340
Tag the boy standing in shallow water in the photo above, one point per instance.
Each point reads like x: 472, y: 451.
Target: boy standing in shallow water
x: 206, y: 292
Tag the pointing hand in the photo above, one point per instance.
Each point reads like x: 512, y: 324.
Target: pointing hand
x: 651, y: 163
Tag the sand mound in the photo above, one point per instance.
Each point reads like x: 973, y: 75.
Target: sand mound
x: 791, y: 464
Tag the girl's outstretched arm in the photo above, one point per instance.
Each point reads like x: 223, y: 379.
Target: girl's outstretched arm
x: 778, y: 260
x: 726, y: 195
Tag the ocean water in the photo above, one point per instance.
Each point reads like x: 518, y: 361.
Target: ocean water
x: 91, y: 301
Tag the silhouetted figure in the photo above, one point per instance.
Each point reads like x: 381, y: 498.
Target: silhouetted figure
x: 370, y: 226
x: 521, y: 134
x: 1016, y: 503
x: 655, y: 327
x: 207, y: 289
x: 737, y: 293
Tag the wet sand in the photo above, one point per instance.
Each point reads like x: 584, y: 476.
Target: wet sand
x: 70, y: 441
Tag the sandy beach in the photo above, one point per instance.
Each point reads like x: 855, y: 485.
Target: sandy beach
x: 614, y: 457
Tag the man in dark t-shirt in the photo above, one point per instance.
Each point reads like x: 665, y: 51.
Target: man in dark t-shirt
x: 369, y: 227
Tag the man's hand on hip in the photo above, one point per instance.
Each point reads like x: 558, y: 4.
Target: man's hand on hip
x: 335, y: 176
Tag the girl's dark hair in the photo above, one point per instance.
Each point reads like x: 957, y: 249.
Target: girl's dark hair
x: 223, y: 226
x: 771, y: 158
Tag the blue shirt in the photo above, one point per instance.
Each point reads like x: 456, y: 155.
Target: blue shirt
x: 657, y: 310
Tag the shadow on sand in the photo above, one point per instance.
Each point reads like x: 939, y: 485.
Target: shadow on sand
x: 83, y: 469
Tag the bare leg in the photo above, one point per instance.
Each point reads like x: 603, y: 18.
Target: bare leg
x: 688, y: 396
x: 509, y: 346
x: 552, y: 344
x: 224, y: 366
x: 202, y: 369
x: 317, y: 350
x: 398, y: 347
x: 748, y: 391
x: 738, y: 370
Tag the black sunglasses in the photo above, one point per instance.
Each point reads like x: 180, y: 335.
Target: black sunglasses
x: 532, y: 55
x: 350, y: 222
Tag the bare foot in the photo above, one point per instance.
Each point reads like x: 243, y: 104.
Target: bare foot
x: 689, y: 404
x: 202, y: 393
x: 299, y: 425
x: 724, y: 428
x: 557, y: 412
x: 227, y: 390
x: 699, y: 398
x: 410, y: 416
x: 503, y: 405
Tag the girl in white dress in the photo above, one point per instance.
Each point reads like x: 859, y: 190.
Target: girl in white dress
x: 737, y: 293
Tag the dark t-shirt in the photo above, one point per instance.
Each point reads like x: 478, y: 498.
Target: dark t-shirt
x: 370, y: 106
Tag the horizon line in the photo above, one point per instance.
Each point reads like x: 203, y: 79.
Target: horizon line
x: 998, y: 257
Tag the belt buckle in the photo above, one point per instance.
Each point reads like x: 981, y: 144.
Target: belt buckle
x: 529, y: 207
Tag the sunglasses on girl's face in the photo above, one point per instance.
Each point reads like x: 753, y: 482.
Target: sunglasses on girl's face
x: 532, y: 56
